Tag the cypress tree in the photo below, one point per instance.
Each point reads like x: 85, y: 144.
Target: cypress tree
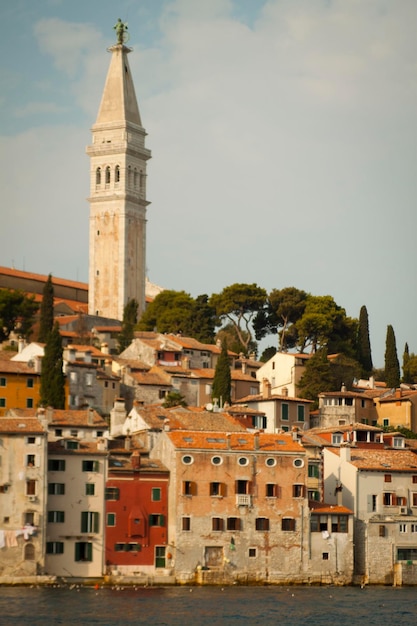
x: 364, y: 344
x: 392, y: 365
x: 406, y: 368
x: 46, y: 311
x: 130, y: 314
x: 52, y: 377
x: 222, y: 381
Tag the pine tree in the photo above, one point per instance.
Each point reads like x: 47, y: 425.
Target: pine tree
x: 222, y: 381
x: 52, y: 377
x: 363, y: 342
x: 392, y: 365
x: 130, y: 314
x: 46, y: 311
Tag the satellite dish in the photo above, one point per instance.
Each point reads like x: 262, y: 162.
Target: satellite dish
x: 209, y: 407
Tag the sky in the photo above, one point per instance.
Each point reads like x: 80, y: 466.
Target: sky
x: 283, y: 137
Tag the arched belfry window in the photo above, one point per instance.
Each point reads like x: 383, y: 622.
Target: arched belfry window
x: 107, y: 175
x: 98, y: 176
x: 117, y: 174
x: 129, y: 176
x: 135, y: 178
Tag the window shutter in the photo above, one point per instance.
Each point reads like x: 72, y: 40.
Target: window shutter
x: 84, y: 521
x: 223, y: 489
x: 77, y: 552
x: 96, y: 522
x: 193, y: 489
x: 162, y: 520
x: 89, y: 551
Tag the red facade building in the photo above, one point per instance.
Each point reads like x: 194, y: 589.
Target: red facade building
x: 136, y: 515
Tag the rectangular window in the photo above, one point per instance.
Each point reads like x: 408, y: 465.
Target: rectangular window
x: 58, y: 432
x: 54, y: 547
x: 83, y: 551
x: 90, y: 466
x: 407, y: 554
x: 298, y: 491
x: 162, y: 393
x: 339, y: 523
x: 385, y: 422
x: 414, y: 499
x: 189, y: 488
x: 272, y: 490
x: 111, y: 519
x: 414, y: 479
x: 284, y: 411
x: 314, y: 524
x: 300, y: 413
x: 388, y: 499
x: 414, y: 528
x: 30, y: 383
x: 186, y: 523
x: 403, y: 528
x: 3, y: 381
x: 325, y: 556
x: 88, y: 379
x: 89, y: 522
x: 160, y: 556
x: 29, y: 403
x: 387, y: 478
x: 112, y: 493
x: 2, y: 403
x: 262, y: 523
x: 313, y: 470
x: 31, y: 487
x: 288, y: 523
x: 381, y: 530
x: 90, y: 489
x: 56, y: 489
x: 217, y: 523
x: 156, y: 494
x: 252, y: 553
x: 30, y: 460
x: 217, y: 489
x: 233, y: 523
x: 313, y: 495
x: 56, y: 517
x: 56, y: 465
x: 156, y: 520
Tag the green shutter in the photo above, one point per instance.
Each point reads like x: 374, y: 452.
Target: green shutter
x: 96, y: 522
x: 84, y: 521
x: 77, y: 552
x: 89, y: 551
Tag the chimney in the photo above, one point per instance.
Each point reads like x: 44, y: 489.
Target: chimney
x: 372, y: 382
x: 90, y: 416
x: 102, y: 444
x: 398, y: 393
x: 166, y: 425
x: 128, y: 443
x: 266, y: 388
x: 135, y: 460
x: 345, y: 452
x: 294, y: 433
x: 49, y: 414
x: 256, y: 440
x: 244, y: 366
x: 20, y: 344
x: 343, y: 388
x: 104, y: 348
x: 185, y: 362
x: 285, y: 391
x: 37, y: 363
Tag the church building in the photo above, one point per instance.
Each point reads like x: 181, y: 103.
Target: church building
x: 118, y: 157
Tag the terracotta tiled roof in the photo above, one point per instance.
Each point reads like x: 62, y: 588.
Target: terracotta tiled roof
x: 322, y: 507
x: 25, y: 425
x: 344, y: 428
x: 63, y: 417
x: 153, y: 377
x: 134, y: 364
x: 382, y: 460
x: 187, y: 440
x: 17, y: 367
x: 43, y: 278
x: 260, y: 398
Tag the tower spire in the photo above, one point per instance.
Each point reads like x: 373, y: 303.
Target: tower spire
x: 117, y: 192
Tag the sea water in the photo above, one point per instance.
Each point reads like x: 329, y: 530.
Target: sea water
x: 204, y: 606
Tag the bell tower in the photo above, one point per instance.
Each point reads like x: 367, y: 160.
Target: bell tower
x: 118, y: 157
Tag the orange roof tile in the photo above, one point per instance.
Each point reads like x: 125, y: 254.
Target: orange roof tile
x: 24, y: 425
x: 382, y: 460
x: 237, y: 441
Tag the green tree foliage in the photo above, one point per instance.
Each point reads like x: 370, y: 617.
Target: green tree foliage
x: 222, y: 381
x: 344, y: 370
x: 392, y: 365
x: 267, y: 354
x: 17, y: 313
x: 130, y: 316
x: 46, y: 321
x: 409, y: 366
x: 238, y: 305
x: 325, y: 324
x: 172, y: 399
x: 317, y: 377
x: 284, y: 307
x: 409, y: 434
x: 177, y: 312
x: 363, y: 343
x: 52, y: 390
x: 228, y: 333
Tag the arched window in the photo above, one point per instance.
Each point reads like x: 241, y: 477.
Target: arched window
x: 135, y: 178
x: 129, y: 176
x: 29, y: 552
x: 107, y: 175
x: 117, y: 174
x: 98, y: 176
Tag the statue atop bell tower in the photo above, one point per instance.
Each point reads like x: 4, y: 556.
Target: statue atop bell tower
x: 118, y: 158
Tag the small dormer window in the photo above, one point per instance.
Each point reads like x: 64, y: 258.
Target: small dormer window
x: 72, y: 445
x: 398, y: 442
x: 336, y: 439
